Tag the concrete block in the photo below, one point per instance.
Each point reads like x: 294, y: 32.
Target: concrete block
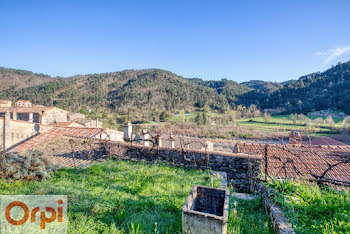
x: 206, y: 211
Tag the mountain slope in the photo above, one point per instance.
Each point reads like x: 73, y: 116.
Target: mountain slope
x: 137, y: 92
x: 316, y: 91
x: 15, y: 79
x: 151, y: 91
x: 263, y: 86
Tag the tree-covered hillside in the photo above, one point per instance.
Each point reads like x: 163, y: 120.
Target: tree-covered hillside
x: 136, y: 92
x: 15, y: 79
x: 317, y: 91
x: 153, y: 91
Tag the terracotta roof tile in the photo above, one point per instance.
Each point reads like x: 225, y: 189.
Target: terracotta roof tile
x: 307, y: 161
x: 325, y: 141
x: 53, y: 134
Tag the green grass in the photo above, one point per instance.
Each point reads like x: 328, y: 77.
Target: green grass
x: 283, y: 123
x: 129, y: 197
x: 312, y: 209
x: 248, y: 217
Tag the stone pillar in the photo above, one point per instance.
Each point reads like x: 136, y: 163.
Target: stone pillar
x: 210, y: 145
x: 171, y: 141
x: 144, y: 137
x: 128, y: 131
x: 14, y: 115
x: 159, y: 140
x: 31, y: 117
x: 7, y: 131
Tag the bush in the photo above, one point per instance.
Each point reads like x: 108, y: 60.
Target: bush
x: 31, y: 166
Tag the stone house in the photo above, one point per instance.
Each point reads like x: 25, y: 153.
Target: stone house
x: 23, y: 103
x: 40, y: 115
x: 5, y: 103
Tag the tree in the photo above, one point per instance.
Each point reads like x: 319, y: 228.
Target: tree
x: 205, y: 118
x: 83, y: 110
x: 301, y: 118
x: 164, y: 116
x: 199, y: 119
x: 330, y: 120
x: 294, y: 118
x: 267, y: 117
x: 318, y: 122
x: 346, y: 122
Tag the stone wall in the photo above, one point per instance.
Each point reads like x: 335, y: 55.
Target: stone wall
x: 21, y: 130
x: 242, y: 169
x: 1, y: 133
x: 13, y: 132
x: 54, y: 115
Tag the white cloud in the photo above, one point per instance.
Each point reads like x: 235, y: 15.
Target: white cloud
x: 333, y: 53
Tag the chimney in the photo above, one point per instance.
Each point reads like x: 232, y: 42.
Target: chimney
x: 295, y: 138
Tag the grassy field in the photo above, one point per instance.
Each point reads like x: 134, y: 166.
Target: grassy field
x: 131, y: 197
x: 312, y: 209
x: 283, y: 123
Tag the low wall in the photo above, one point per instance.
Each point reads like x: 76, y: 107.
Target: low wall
x: 241, y: 169
x: 279, y: 221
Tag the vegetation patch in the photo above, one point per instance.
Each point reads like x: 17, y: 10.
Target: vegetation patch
x: 313, y: 209
x: 248, y: 216
x: 31, y: 166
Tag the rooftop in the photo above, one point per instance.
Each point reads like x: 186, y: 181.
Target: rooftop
x: 306, y: 161
x: 324, y: 141
x: 55, y: 133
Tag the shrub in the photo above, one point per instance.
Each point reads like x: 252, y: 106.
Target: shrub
x: 31, y: 166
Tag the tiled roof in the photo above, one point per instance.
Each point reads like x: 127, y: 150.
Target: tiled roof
x: 306, y: 161
x: 23, y: 101
x: 53, y: 134
x: 325, y: 141
x: 58, y: 151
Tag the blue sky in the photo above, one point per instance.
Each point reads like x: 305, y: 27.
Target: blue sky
x: 238, y: 40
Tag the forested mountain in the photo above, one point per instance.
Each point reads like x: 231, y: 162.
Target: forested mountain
x: 136, y: 92
x: 15, y: 79
x: 316, y: 91
x: 151, y: 91
x: 263, y: 86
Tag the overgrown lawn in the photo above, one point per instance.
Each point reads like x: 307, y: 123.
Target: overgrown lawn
x: 131, y: 197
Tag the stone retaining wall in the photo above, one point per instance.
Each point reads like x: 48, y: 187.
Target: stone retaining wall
x: 279, y: 221
x: 241, y: 169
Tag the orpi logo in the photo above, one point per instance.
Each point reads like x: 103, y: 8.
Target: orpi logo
x: 47, y: 214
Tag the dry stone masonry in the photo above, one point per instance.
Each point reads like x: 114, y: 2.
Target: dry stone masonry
x: 242, y: 169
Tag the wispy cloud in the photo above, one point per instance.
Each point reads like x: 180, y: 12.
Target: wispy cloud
x: 333, y: 53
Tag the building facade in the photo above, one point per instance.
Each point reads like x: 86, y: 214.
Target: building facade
x: 23, y: 103
x: 5, y: 103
